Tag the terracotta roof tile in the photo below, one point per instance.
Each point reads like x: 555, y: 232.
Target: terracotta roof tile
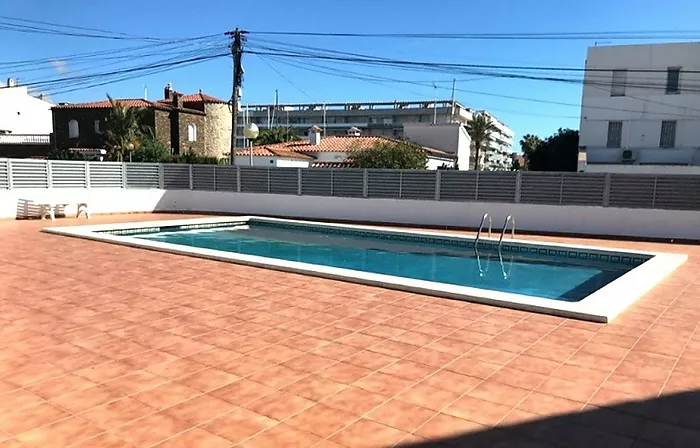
x: 347, y: 144
x: 106, y: 104
x: 348, y: 163
x: 262, y: 151
x: 199, y: 97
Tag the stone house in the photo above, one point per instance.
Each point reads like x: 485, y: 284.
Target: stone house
x: 182, y: 123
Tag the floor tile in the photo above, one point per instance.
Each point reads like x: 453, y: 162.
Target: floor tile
x: 200, y: 409
x: 151, y: 429
x: 321, y: 420
x: 195, y: 438
x: 355, y: 400
x: 279, y: 405
x: 366, y: 433
x: 239, y: 424
x: 401, y: 415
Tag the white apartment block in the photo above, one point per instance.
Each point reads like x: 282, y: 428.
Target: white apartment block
x: 640, y: 111
x: 387, y: 119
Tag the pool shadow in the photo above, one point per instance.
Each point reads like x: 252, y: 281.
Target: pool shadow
x: 668, y: 421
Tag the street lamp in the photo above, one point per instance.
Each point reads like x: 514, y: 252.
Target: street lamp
x: 251, y: 132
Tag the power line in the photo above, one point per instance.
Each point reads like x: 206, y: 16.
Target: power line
x: 287, y: 79
x: 608, y: 35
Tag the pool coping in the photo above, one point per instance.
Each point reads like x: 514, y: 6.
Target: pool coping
x: 601, y: 306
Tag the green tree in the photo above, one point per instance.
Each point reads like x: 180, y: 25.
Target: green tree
x: 151, y: 150
x: 124, y: 129
x: 529, y: 144
x: 64, y: 154
x: 558, y: 152
x: 275, y: 135
x: 480, y: 129
x: 398, y: 155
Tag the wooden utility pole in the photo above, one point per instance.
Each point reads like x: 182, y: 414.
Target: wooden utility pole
x: 237, y: 54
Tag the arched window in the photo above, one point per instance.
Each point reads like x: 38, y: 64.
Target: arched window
x: 73, y: 129
x: 191, y: 132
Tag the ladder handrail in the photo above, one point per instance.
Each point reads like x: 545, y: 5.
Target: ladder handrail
x: 481, y: 226
x: 510, y: 219
x: 482, y: 271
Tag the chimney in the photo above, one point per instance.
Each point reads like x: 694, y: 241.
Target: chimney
x: 354, y: 132
x: 177, y: 100
x: 168, y: 92
x: 315, y: 136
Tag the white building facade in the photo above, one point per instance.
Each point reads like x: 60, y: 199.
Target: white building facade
x: 22, y: 113
x: 641, y: 109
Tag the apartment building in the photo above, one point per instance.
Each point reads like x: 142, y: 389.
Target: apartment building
x: 374, y: 119
x: 641, y: 109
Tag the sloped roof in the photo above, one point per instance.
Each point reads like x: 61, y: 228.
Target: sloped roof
x: 127, y: 102
x: 199, y: 97
x: 263, y: 151
x: 347, y: 143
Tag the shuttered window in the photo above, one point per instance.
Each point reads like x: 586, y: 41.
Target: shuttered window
x: 673, y: 79
x: 668, y: 134
x: 619, y: 83
x: 614, y: 134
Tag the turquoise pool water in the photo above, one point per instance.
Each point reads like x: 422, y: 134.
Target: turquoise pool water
x: 562, y: 275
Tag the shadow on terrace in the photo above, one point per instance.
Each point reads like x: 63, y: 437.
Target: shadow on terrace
x: 667, y: 421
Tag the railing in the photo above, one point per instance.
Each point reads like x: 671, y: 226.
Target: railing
x: 509, y: 219
x: 481, y: 227
x: 25, y: 139
x: 677, y: 192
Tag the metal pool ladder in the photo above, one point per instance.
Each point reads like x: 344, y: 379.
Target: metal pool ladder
x: 510, y: 219
x: 481, y: 226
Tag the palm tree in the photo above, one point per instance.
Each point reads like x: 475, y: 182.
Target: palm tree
x: 124, y: 129
x: 529, y: 143
x: 275, y: 135
x: 480, y: 128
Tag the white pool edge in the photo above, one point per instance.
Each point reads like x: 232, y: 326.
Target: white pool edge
x: 601, y: 306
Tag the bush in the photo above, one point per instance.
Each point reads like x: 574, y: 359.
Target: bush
x: 64, y: 154
x: 193, y: 159
x: 151, y: 150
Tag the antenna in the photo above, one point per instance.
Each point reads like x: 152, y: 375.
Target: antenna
x: 145, y: 92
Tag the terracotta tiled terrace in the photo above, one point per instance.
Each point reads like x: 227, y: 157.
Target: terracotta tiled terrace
x: 108, y: 346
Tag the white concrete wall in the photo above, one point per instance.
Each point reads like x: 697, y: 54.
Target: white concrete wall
x: 21, y: 113
x: 452, y: 138
x: 645, y: 103
x: 271, y: 162
x: 536, y: 218
x: 642, y: 169
x: 101, y: 200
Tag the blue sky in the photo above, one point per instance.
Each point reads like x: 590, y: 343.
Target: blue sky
x: 178, y: 19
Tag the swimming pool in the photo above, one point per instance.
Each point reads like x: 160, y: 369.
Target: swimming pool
x: 584, y: 282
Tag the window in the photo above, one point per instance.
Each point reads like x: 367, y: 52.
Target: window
x: 614, y: 134
x: 668, y: 134
x: 191, y: 132
x: 97, y: 127
x: 73, y: 129
x: 619, y: 83
x: 673, y: 79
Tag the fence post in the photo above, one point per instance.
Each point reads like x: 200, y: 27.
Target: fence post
x: 365, y: 183
x: 561, y: 188
x: 49, y: 180
x: 191, y: 180
x: 518, y: 183
x: 161, y: 176
x: 298, y: 181
x: 238, y: 178
x: 476, y: 189
x: 124, y: 183
x: 653, y: 197
x: 332, y: 170
x: 9, y: 174
x: 87, y: 174
x: 400, y: 183
x: 438, y: 175
x: 214, y: 170
x: 606, y: 190
x: 268, y: 180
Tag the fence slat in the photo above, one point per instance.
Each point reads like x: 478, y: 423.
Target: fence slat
x: 418, y: 185
x: 106, y: 174
x: 68, y: 174
x: 203, y: 177
x: 384, y: 184
x: 457, y: 186
x: 540, y: 188
x: 677, y: 192
x: 29, y: 174
x: 348, y: 183
x: 142, y: 175
x: 254, y: 179
x: 226, y: 178
x: 176, y: 177
x: 583, y: 189
x: 316, y: 182
x: 284, y: 181
x: 4, y: 174
x: 496, y: 187
x: 631, y: 191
